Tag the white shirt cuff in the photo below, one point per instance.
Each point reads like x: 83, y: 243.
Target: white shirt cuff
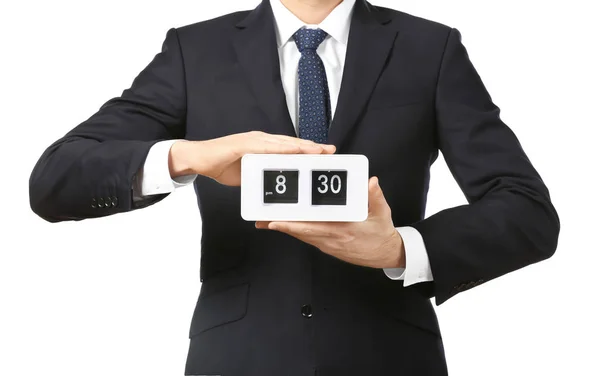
x: 418, y: 268
x: 154, y: 177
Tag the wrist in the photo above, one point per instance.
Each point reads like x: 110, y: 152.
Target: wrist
x: 179, y: 159
x: 398, y: 259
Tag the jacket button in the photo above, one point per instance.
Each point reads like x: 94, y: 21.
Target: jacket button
x: 94, y: 205
x: 307, y: 311
x: 107, y: 202
x: 100, y: 202
x: 115, y: 201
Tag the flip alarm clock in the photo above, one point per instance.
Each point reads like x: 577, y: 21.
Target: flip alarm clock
x: 305, y: 187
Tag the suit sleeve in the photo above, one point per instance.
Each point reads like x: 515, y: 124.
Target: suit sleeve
x: 509, y: 221
x: 90, y: 171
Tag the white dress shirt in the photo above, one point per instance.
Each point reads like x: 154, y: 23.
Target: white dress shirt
x: 154, y: 177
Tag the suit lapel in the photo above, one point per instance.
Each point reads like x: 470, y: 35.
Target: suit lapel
x: 256, y: 49
x: 369, y: 45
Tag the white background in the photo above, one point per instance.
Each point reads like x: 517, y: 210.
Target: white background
x: 114, y: 296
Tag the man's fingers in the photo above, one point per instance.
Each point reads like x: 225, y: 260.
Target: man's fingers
x: 263, y: 225
x: 300, y: 229
x: 327, y: 149
x: 270, y: 147
x: 273, y: 146
x: 288, y: 139
x: 277, y: 226
x: 306, y: 146
x: 291, y: 228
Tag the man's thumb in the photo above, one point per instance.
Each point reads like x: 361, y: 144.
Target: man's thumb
x: 376, y: 199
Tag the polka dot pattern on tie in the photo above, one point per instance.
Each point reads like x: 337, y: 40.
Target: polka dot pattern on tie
x: 314, y: 109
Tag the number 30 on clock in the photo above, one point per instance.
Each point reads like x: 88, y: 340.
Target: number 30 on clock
x: 329, y: 187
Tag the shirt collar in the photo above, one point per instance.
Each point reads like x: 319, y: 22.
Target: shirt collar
x: 336, y: 24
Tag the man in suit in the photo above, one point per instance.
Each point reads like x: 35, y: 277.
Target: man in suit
x: 319, y: 76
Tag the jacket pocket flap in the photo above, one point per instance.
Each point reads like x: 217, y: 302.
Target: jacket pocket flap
x: 219, y: 308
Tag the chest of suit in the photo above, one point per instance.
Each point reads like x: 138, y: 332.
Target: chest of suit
x: 385, y: 108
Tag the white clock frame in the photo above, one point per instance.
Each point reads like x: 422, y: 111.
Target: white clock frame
x: 357, y: 190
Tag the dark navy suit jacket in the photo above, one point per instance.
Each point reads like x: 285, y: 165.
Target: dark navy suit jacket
x: 408, y: 91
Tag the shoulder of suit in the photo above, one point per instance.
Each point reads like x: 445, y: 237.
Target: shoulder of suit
x: 413, y: 24
x: 224, y: 22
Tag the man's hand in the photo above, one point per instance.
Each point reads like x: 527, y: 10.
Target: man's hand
x: 220, y: 158
x: 373, y: 243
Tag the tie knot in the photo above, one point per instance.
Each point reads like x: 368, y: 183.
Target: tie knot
x: 309, y: 39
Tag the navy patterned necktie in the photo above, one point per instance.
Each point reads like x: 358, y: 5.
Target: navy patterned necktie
x: 314, y: 109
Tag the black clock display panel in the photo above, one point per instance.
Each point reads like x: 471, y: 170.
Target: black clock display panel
x: 280, y: 187
x: 329, y: 187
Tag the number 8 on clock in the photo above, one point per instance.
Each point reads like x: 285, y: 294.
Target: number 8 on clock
x: 280, y: 187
